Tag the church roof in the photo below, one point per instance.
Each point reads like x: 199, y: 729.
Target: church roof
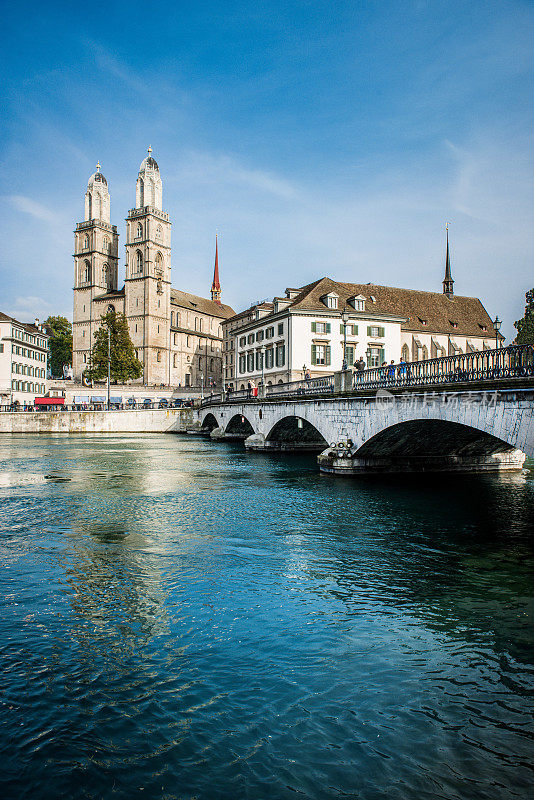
x: 193, y: 302
x: 422, y: 311
x: 111, y: 295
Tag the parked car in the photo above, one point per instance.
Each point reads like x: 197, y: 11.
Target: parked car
x: 147, y: 402
x: 163, y: 403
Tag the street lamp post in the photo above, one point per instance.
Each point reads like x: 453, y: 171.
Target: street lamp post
x: 202, y: 386
x: 345, y: 318
x: 497, y: 325
x: 109, y: 364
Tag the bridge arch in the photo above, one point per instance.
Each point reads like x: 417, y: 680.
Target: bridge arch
x: 209, y: 423
x: 238, y: 427
x: 295, y: 433
x: 431, y: 437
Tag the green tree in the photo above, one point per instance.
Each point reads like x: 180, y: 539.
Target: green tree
x: 525, y: 326
x: 60, y: 331
x: 124, y: 364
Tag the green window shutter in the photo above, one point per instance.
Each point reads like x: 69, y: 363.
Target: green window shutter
x: 341, y: 328
x: 368, y: 330
x: 382, y: 331
x: 355, y: 330
x: 328, y: 327
x: 350, y: 356
x: 314, y: 327
x: 314, y: 354
x: 327, y: 349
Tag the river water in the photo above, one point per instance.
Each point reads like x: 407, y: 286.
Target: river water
x: 183, y: 620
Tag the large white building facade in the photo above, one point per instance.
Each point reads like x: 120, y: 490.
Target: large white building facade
x: 177, y: 336
x: 304, y: 330
x: 23, y: 361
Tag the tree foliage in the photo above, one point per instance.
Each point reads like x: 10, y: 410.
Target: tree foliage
x: 60, y: 331
x: 525, y: 326
x: 124, y: 364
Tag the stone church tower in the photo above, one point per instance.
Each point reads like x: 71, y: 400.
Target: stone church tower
x: 148, y: 274
x: 96, y: 255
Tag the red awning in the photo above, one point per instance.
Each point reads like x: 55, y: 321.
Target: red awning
x: 49, y: 401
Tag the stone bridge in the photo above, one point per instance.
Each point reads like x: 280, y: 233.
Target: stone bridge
x: 444, y: 430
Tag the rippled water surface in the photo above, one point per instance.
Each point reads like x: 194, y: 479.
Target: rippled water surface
x: 183, y: 620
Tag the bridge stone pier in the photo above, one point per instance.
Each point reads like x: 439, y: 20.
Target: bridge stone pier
x: 446, y: 430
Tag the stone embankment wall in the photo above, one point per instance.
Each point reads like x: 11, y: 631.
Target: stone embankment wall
x: 173, y: 420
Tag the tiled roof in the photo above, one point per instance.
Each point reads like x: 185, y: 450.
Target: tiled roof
x: 112, y: 295
x: 201, y: 304
x: 28, y: 326
x: 416, y: 307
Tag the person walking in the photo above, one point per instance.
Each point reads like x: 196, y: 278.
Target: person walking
x: 359, y: 369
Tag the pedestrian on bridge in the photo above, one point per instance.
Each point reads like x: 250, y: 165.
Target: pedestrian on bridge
x: 359, y: 369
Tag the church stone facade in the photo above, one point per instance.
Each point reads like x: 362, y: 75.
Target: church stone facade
x: 177, y: 336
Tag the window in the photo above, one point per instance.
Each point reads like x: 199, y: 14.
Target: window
x: 250, y: 362
x: 243, y: 341
x: 321, y: 327
x: 87, y: 272
x: 320, y: 354
x: 105, y: 275
x: 259, y: 360
x: 188, y: 379
x: 159, y: 264
x: 242, y: 364
x: 269, y: 333
x: 105, y: 245
x: 359, y: 305
x: 375, y: 357
x: 453, y: 324
x: 158, y: 357
x: 352, y: 330
x: 330, y: 300
x: 250, y: 338
x: 374, y: 331
x: 139, y: 261
x: 269, y: 358
x: 172, y: 319
x: 260, y: 336
x: 280, y: 329
x: 139, y: 231
x: 159, y: 234
x: 280, y: 355
x: 86, y: 243
x: 349, y: 355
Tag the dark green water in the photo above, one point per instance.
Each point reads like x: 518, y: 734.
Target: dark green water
x: 182, y: 620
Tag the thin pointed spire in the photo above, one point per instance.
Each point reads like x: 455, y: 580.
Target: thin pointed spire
x: 216, y: 285
x: 448, y: 283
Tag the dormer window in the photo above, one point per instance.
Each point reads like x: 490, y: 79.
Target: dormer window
x: 482, y: 327
x: 453, y: 324
x: 422, y: 321
x: 358, y: 303
x: 330, y: 300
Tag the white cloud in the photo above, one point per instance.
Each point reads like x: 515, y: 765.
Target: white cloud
x: 32, y: 207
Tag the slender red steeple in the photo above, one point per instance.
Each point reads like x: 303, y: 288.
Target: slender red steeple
x: 448, y: 283
x: 216, y: 286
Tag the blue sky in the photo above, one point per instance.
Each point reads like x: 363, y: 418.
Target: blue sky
x: 319, y: 138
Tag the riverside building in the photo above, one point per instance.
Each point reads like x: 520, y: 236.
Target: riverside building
x: 23, y: 360
x: 311, y: 327
x: 177, y: 335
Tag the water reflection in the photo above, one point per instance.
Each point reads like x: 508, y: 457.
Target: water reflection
x: 183, y: 619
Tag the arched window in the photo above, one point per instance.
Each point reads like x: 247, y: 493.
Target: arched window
x: 105, y: 275
x: 172, y: 319
x: 105, y: 245
x: 111, y: 309
x: 405, y: 352
x: 200, y: 328
x: 86, y: 242
x: 159, y: 234
x: 141, y: 192
x: 196, y: 323
x: 159, y: 264
x: 139, y: 232
x: 86, y: 272
x: 158, y: 357
x: 174, y: 360
x: 90, y: 205
x: 139, y: 261
x: 424, y: 353
x: 98, y: 206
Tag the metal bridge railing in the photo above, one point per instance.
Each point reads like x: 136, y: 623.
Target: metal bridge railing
x: 514, y: 361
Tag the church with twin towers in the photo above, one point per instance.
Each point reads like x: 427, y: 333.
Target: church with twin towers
x: 177, y: 335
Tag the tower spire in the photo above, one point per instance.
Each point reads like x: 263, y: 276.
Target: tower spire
x: 448, y: 283
x: 216, y: 286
